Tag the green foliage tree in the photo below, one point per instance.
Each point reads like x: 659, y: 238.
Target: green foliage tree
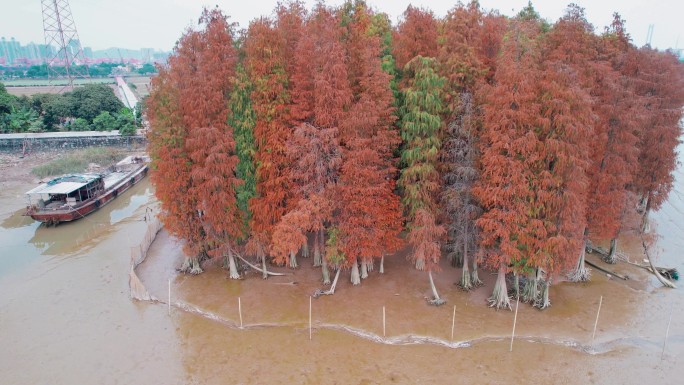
x: 104, y: 122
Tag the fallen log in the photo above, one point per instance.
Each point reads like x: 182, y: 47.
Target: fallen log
x: 662, y: 279
x: 605, y: 270
x: 259, y: 269
x: 670, y: 273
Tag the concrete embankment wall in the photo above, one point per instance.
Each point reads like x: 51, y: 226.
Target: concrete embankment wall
x: 19, y: 143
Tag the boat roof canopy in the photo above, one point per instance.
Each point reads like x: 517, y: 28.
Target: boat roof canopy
x: 64, y: 185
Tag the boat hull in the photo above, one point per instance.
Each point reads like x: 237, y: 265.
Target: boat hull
x: 56, y: 216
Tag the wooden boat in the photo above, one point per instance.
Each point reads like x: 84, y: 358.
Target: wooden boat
x: 72, y: 197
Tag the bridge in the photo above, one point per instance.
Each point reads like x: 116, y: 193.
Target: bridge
x: 125, y: 94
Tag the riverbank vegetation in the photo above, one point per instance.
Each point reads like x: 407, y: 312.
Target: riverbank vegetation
x: 77, y: 161
x: 500, y: 142
x: 92, y: 107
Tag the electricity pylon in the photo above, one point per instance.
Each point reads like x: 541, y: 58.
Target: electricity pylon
x: 60, y: 31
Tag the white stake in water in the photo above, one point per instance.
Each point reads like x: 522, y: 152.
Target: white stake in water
x: 453, y: 323
x: 667, y: 332
x: 515, y: 319
x: 383, y: 322
x: 596, y: 322
x: 309, y: 317
x: 240, y: 311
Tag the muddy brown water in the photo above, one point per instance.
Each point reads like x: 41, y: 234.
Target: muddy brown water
x: 66, y: 318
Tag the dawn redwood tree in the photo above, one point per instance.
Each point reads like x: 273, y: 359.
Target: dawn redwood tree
x: 210, y: 142
x: 661, y: 88
x: 241, y: 118
x: 464, y: 72
x: 614, y: 153
x: 170, y: 171
x: 508, y: 146
x: 320, y: 98
x: 370, y: 213
x: 459, y: 154
x: 270, y: 96
x: 416, y: 35
x: 419, y: 181
x: 570, y: 50
x: 204, y: 209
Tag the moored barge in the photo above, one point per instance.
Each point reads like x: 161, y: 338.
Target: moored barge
x: 74, y: 196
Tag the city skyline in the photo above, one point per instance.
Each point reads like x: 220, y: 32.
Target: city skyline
x: 131, y: 24
x: 14, y: 53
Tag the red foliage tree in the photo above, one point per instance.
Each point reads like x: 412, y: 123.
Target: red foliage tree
x: 264, y: 48
x: 614, y: 151
x: 201, y: 70
x: 416, y: 35
x: 661, y: 88
x: 370, y: 212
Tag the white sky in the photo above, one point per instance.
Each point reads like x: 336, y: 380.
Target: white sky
x: 159, y: 23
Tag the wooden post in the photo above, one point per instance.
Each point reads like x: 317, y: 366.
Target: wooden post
x: 593, y: 334
x: 383, y: 322
x: 515, y: 319
x: 240, y: 311
x: 309, y: 317
x: 453, y: 323
x: 169, y: 296
x: 667, y: 332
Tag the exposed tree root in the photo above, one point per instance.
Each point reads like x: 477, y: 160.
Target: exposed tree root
x: 543, y: 300
x: 191, y: 265
x: 474, y: 277
x: 611, y: 257
x: 580, y: 273
x: 499, y: 298
x: 465, y: 282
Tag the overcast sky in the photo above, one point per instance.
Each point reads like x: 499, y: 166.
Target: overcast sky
x: 159, y: 23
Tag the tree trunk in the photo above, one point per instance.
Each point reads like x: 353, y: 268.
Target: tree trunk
x: 355, y: 279
x: 370, y: 265
x: 317, y: 252
x: 364, y: 269
x: 233, y: 272
x: 474, y: 278
x: 543, y: 301
x: 293, y: 259
x: 612, y: 257
x: 191, y: 265
x: 465, y: 283
x: 334, y: 284
x: 264, y: 273
x: 420, y: 264
x: 305, y: 249
x: 382, y: 265
x: 516, y: 284
x: 325, y: 272
x: 436, y: 300
x: 644, y: 219
x: 531, y: 289
x: 580, y: 273
x: 499, y: 298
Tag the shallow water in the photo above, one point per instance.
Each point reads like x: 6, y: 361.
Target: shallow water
x: 65, y: 316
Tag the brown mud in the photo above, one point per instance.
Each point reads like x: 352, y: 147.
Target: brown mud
x: 66, y: 317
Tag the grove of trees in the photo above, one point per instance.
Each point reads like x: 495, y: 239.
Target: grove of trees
x: 92, y: 107
x: 507, y: 143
